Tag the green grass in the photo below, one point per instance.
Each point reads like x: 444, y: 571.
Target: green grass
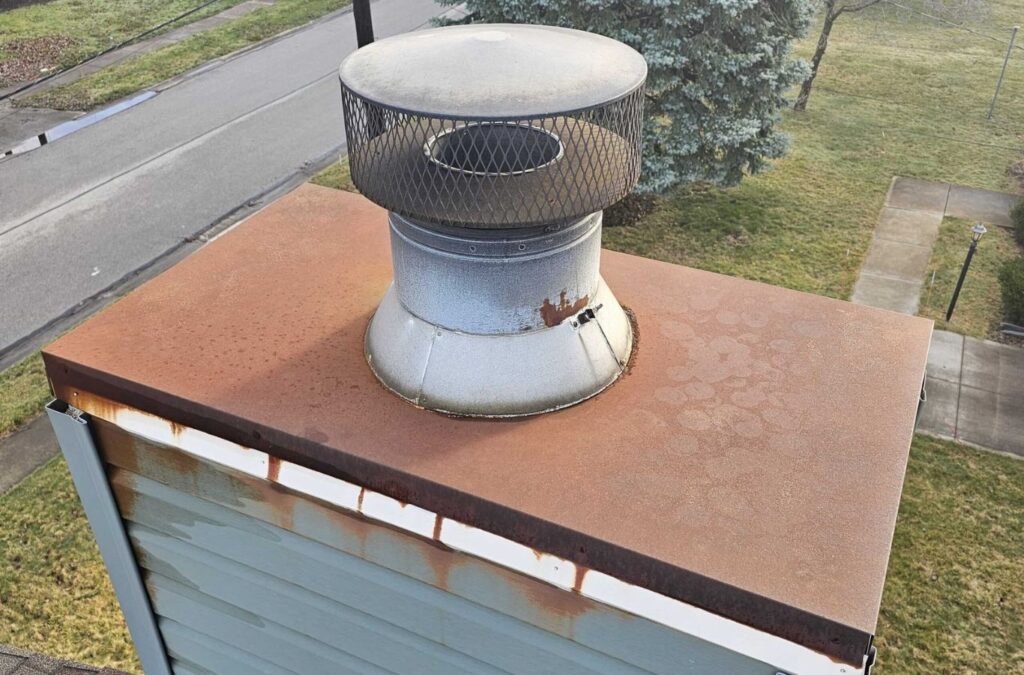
x: 95, y: 25
x: 149, y: 69
x: 954, y: 596
x: 24, y: 390
x: 980, y: 307
x: 913, y: 104
x: 336, y: 176
x: 55, y: 595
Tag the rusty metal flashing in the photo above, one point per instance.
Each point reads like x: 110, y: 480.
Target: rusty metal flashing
x: 760, y: 519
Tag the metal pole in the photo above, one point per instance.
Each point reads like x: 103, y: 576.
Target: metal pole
x: 963, y: 275
x: 364, y: 23
x: 1002, y: 73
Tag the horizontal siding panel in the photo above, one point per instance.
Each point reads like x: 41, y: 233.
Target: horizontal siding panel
x: 275, y: 643
x: 186, y: 668
x: 512, y: 645
x: 514, y: 622
x: 197, y: 650
x: 272, y: 599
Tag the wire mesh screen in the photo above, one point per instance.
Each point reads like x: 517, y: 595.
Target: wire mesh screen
x: 494, y: 173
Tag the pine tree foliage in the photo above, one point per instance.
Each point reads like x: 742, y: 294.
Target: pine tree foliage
x: 718, y: 70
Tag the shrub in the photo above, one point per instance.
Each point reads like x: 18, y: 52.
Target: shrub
x: 1017, y: 216
x: 718, y: 72
x: 1011, y: 279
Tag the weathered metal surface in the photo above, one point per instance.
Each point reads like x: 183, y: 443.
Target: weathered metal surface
x: 495, y: 186
x: 218, y: 542
x: 750, y: 463
x: 522, y: 373
x: 494, y: 126
x: 494, y: 70
x: 87, y: 472
x: 476, y: 291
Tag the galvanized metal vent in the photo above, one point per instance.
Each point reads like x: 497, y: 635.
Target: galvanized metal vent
x: 495, y: 147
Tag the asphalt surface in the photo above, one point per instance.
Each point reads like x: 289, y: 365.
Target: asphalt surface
x: 83, y: 217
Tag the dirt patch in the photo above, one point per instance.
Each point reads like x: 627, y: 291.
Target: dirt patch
x: 632, y: 209
x: 14, y: 4
x: 25, y: 59
x: 1016, y: 172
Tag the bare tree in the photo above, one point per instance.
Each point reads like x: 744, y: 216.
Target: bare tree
x: 833, y: 10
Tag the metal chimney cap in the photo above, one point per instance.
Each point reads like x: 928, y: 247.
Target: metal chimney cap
x: 494, y: 71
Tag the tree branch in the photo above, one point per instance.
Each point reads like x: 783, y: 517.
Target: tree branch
x: 856, y: 7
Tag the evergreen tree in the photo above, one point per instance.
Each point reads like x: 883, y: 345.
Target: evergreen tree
x: 717, y: 73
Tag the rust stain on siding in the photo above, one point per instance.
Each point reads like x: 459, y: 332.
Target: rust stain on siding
x: 581, y: 572
x: 273, y: 468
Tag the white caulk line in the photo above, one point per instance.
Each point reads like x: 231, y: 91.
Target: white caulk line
x: 780, y: 653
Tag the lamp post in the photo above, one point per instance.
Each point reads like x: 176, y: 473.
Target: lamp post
x: 976, y: 233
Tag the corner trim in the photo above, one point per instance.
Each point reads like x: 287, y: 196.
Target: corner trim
x: 75, y: 439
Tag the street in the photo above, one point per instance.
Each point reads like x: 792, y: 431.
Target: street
x: 81, y: 216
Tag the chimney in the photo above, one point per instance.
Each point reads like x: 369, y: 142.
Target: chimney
x: 495, y: 149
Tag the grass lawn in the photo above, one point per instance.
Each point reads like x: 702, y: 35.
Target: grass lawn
x: 336, y: 176
x: 149, y: 69
x: 912, y: 103
x: 24, y: 391
x: 954, y: 596
x: 980, y: 307
x: 55, y: 596
x: 62, y: 32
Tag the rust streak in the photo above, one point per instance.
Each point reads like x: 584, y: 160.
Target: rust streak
x: 359, y: 502
x: 176, y: 430
x: 274, y: 469
x: 556, y: 314
x: 438, y: 519
x: 577, y: 584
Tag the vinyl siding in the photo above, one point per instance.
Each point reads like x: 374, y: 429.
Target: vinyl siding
x: 247, y: 577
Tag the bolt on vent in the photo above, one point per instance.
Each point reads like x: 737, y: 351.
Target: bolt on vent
x: 495, y: 148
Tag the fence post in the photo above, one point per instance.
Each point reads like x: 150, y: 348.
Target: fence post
x: 1002, y: 73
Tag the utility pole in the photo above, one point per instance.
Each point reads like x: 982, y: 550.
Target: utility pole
x: 1002, y: 73
x: 364, y: 23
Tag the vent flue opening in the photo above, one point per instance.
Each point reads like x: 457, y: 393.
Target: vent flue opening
x: 494, y: 148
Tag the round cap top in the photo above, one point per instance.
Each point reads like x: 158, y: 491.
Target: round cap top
x: 494, y: 71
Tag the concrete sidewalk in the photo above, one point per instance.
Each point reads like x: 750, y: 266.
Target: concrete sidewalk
x: 975, y: 392
x: 908, y: 226
x: 975, y: 388
x: 26, y: 450
x: 142, y: 47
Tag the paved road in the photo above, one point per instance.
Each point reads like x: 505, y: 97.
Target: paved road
x: 80, y: 216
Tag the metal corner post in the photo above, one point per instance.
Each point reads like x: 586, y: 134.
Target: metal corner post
x: 90, y: 480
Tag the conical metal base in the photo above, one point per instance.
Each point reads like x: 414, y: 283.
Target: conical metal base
x: 499, y: 375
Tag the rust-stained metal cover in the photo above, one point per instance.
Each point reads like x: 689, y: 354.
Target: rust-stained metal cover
x: 750, y: 463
